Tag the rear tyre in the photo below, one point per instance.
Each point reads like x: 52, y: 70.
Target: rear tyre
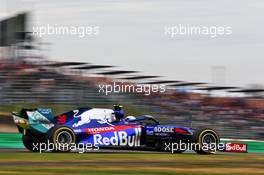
x: 31, y: 143
x: 61, y: 138
x: 207, y: 141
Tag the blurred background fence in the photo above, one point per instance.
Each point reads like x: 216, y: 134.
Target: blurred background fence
x: 35, y: 84
x: 29, y: 80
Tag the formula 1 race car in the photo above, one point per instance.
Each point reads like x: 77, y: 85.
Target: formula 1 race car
x: 108, y: 128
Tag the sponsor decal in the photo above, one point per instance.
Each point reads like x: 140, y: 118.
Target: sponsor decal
x: 45, y: 110
x: 150, y: 131
x: 77, y: 131
x: 98, y: 130
x: 119, y: 138
x: 38, y: 121
x: 102, y: 116
x: 107, y: 129
x: 37, y: 118
x: 164, y: 129
x: 61, y: 119
x: 236, y: 147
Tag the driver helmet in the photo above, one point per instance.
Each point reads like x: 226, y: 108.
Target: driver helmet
x: 130, y: 118
x: 119, y: 112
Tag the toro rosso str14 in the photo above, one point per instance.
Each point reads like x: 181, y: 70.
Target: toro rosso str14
x: 105, y: 128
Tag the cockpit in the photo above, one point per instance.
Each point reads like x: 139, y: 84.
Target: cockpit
x: 142, y: 120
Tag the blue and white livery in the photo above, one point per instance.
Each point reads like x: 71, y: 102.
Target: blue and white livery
x: 105, y: 128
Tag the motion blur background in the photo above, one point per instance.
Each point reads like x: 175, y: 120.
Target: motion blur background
x: 214, y: 82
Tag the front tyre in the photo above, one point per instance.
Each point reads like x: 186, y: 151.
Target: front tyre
x: 61, y: 138
x: 206, y: 141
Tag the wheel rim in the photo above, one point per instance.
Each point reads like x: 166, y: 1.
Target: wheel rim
x: 210, y: 140
x: 64, y: 137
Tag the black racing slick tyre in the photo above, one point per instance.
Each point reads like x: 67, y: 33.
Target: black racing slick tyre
x: 31, y: 143
x: 61, y: 138
x: 206, y: 141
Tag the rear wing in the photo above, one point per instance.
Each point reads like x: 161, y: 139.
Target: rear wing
x: 40, y: 119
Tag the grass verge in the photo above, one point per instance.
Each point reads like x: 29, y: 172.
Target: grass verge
x: 129, y: 163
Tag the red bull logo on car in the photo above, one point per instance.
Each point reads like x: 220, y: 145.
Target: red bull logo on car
x: 115, y: 136
x: 102, y: 116
x: 236, y: 147
x: 120, y: 138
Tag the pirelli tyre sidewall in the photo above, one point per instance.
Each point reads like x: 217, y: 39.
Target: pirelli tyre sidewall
x: 200, y: 137
x: 61, y: 138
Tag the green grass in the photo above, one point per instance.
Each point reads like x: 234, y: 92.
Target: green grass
x: 129, y: 163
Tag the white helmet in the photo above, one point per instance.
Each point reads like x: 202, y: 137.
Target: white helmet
x: 130, y: 117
